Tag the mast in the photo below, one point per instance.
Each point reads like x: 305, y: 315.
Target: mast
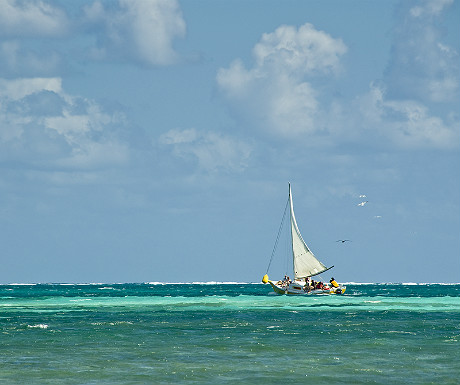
x: 292, y: 234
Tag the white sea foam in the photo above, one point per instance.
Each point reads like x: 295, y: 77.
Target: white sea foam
x: 402, y: 283
x: 80, y: 300
x: 202, y: 283
x: 38, y: 326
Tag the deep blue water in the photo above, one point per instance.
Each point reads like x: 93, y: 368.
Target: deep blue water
x: 228, y: 334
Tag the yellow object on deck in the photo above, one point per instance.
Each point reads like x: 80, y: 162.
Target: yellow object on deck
x: 265, y: 278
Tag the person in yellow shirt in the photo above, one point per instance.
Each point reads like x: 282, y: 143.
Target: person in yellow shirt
x: 334, y: 282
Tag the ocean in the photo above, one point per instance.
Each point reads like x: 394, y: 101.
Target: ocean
x: 231, y: 333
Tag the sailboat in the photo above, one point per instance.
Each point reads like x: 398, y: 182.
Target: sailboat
x: 305, y: 265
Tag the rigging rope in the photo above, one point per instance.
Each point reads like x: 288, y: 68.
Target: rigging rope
x: 278, y: 236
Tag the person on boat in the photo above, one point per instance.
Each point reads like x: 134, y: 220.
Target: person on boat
x: 334, y: 282
x: 307, y: 286
x: 286, y: 281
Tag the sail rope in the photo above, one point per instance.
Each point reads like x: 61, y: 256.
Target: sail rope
x: 278, y: 236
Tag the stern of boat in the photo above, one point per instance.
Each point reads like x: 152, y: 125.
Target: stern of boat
x: 339, y: 290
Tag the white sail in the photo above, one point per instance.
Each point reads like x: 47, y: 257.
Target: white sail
x: 305, y: 263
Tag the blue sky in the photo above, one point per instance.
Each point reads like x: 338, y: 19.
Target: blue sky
x: 154, y: 140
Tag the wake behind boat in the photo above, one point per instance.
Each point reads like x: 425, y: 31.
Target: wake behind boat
x: 305, y: 265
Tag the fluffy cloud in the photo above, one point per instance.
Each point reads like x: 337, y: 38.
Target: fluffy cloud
x: 212, y: 151
x: 403, y: 123
x: 31, y: 19
x: 414, y: 105
x: 429, y: 8
x: 298, y: 51
x: 41, y: 126
x: 418, y: 128
x: 422, y: 67
x: 19, y: 88
x: 36, y: 21
x: 138, y: 29
x: 277, y: 94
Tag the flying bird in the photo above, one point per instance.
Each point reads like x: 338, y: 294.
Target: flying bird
x: 362, y: 196
x: 343, y: 240
x: 362, y: 203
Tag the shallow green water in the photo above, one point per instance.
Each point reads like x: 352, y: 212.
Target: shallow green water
x: 228, y: 334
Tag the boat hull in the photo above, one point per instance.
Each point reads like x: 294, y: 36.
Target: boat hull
x: 298, y: 289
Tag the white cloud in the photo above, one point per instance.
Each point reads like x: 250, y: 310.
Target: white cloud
x: 212, y: 151
x: 19, y: 88
x: 403, y: 123
x: 176, y: 136
x: 430, y: 8
x: 140, y: 30
x: 417, y: 128
x: 40, y: 127
x: 31, y: 19
x: 280, y: 95
x: 422, y: 66
x: 93, y: 155
x: 275, y: 95
x: 298, y: 51
x: 423, y: 73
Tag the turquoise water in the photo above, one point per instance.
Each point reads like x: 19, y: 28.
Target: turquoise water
x: 228, y: 334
